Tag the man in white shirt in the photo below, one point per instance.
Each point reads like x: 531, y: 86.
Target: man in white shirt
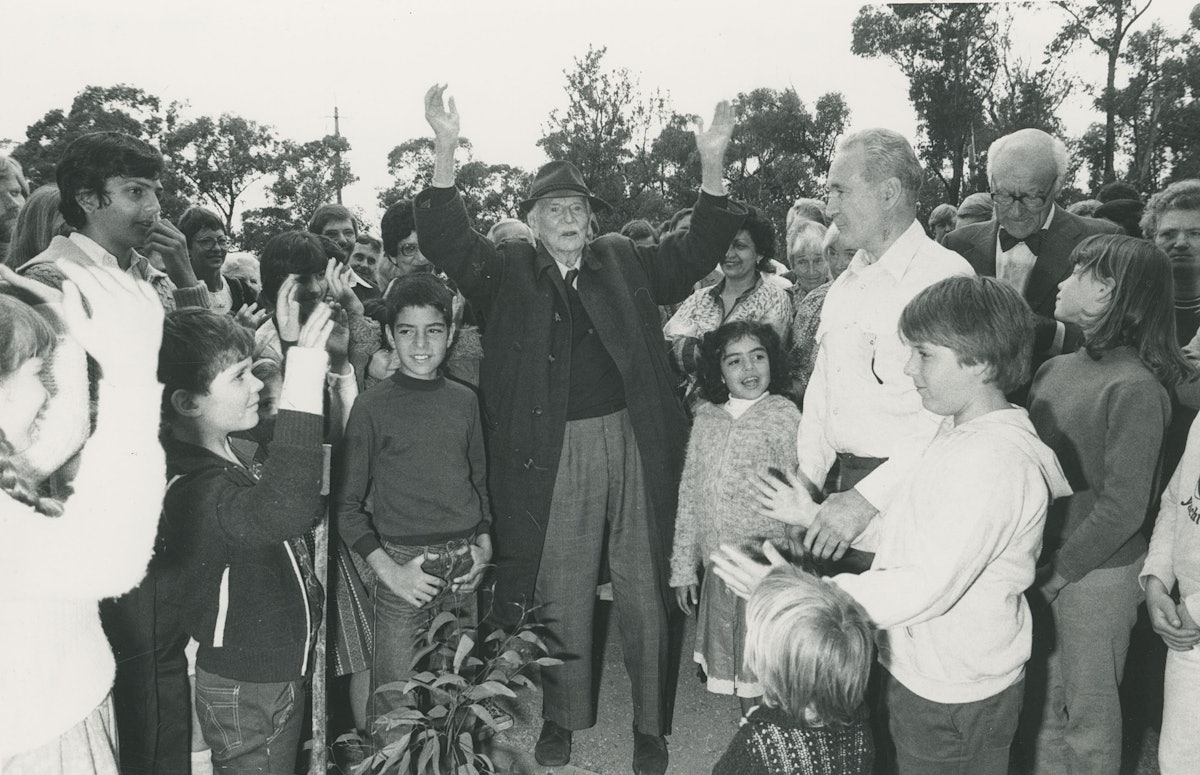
x: 860, y: 409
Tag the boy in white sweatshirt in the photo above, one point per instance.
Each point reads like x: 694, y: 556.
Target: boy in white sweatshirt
x: 957, y: 546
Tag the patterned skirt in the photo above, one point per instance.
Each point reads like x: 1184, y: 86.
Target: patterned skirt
x: 349, y: 610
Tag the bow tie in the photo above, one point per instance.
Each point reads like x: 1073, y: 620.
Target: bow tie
x: 1033, y: 241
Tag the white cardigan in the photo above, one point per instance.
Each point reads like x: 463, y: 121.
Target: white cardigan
x: 1174, y: 554
x: 55, y: 663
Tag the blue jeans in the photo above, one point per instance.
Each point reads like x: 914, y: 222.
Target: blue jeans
x: 397, y: 622
x: 250, y: 727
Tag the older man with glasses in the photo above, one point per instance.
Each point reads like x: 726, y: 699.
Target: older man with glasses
x: 1028, y: 241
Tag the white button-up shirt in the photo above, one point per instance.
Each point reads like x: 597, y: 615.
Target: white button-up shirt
x: 859, y: 401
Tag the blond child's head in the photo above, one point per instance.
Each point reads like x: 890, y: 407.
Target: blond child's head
x: 810, y: 645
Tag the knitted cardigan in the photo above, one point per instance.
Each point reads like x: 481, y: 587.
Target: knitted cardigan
x: 771, y: 742
x: 716, y: 500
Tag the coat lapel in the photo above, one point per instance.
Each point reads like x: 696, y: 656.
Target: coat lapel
x: 1053, y: 263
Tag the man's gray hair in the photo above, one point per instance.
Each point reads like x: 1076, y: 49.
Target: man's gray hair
x: 1057, y: 148
x: 887, y: 155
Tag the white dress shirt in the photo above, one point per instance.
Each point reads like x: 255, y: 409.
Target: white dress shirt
x: 1014, y: 266
x: 859, y: 400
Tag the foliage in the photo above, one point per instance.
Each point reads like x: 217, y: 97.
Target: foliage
x: 607, y: 130
x: 259, y: 224
x: 223, y: 158
x: 948, y: 52
x: 491, y: 191
x: 1105, y: 24
x: 308, y: 175
x: 119, y: 108
x: 446, y: 718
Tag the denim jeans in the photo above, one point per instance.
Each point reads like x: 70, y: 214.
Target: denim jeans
x: 398, y: 623
x: 250, y: 727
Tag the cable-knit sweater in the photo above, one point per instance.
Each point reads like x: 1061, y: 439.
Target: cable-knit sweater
x: 716, y: 499
x: 55, y: 663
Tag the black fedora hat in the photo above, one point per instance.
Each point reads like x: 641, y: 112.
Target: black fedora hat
x: 560, y: 178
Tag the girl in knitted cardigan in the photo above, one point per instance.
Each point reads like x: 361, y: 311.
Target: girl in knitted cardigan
x: 744, y: 426
x: 59, y: 558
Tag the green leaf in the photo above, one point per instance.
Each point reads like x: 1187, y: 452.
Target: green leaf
x: 548, y: 661
x: 465, y: 644
x: 450, y: 678
x: 489, y: 689
x: 440, y: 621
x: 483, y: 715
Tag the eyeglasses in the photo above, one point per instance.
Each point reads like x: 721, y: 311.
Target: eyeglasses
x: 1027, y: 201
x: 208, y: 243
x: 409, y: 249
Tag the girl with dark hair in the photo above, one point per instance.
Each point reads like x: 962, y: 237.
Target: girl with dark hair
x: 1103, y: 410
x: 744, y: 425
x: 59, y: 558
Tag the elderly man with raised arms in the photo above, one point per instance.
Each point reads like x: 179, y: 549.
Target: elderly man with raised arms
x: 586, y: 436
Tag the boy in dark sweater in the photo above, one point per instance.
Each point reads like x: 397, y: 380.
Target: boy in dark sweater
x: 251, y: 599
x: 413, y: 497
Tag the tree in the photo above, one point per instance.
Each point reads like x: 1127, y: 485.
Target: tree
x: 223, y: 158
x: 948, y: 53
x: 120, y: 108
x: 310, y: 174
x: 411, y: 166
x: 779, y: 150
x: 1105, y: 24
x: 607, y: 131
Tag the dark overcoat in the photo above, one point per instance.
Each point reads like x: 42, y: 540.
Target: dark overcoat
x: 525, y: 374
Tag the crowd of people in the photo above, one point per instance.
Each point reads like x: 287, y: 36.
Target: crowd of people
x: 913, y: 484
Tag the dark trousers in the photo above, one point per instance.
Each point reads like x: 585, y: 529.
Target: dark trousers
x: 151, y: 694
x: 968, y: 738
x: 600, y: 491
x: 251, y: 728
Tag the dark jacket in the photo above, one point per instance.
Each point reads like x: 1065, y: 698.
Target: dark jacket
x: 524, y: 378
x: 977, y: 244
x: 251, y: 601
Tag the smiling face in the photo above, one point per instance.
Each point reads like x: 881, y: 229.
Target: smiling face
x: 741, y: 259
x: 947, y: 387
x: 745, y: 368
x: 421, y: 337
x: 1178, y: 236
x: 342, y: 232
x: 231, y: 403
x: 364, y: 259
x: 22, y: 397
x: 1082, y: 298
x: 124, y: 222
x: 561, y: 223
x: 809, y: 265
x: 207, y: 251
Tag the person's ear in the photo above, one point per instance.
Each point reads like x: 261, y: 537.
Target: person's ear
x: 88, y: 201
x: 391, y: 337
x: 184, y: 403
x: 892, y: 191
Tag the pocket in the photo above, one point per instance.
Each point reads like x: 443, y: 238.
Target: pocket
x: 217, y: 709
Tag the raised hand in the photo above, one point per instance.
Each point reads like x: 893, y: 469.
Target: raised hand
x: 712, y: 141
x: 788, y: 502
x: 121, y: 327
x: 250, y: 316
x: 316, y: 330
x: 339, y: 278
x: 169, y: 242
x: 287, y: 310
x: 741, y: 572
x: 444, y: 121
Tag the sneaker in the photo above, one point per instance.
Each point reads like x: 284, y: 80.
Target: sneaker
x: 553, y: 747
x: 649, y: 754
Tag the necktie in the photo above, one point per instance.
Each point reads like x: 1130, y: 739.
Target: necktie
x: 570, y: 278
x: 1033, y: 241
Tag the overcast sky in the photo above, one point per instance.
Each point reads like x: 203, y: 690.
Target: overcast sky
x: 288, y: 62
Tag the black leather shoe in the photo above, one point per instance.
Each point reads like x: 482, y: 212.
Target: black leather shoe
x: 649, y: 754
x: 553, y: 747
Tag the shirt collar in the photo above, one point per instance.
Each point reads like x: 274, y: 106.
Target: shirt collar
x: 139, y: 267
x: 715, y: 291
x: 897, y: 258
